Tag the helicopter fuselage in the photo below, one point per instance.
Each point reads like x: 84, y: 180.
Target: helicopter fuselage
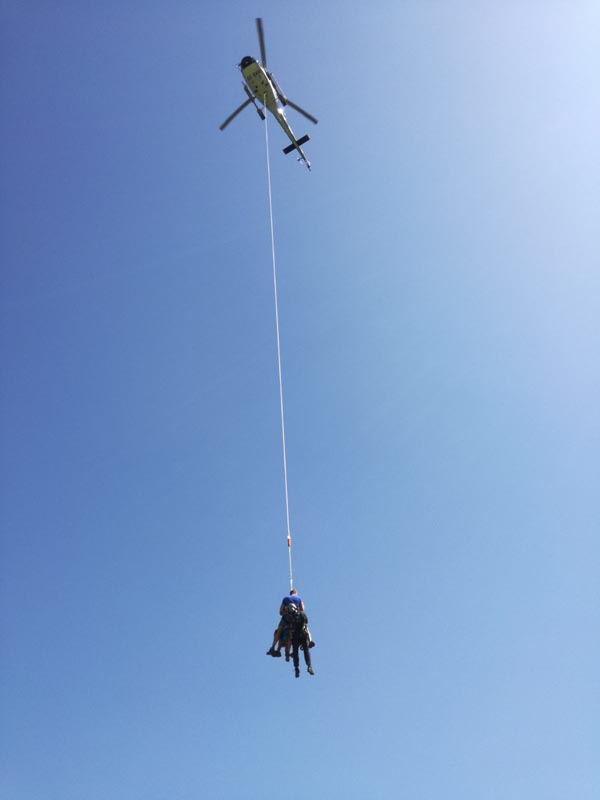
x: 260, y: 84
x: 263, y: 87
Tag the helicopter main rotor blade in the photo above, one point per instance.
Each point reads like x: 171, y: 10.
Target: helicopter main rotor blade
x: 261, y: 41
x: 235, y: 113
x: 301, y: 111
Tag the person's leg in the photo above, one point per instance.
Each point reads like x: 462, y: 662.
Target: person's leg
x: 288, y: 647
x: 307, y: 656
x: 276, y: 636
x: 295, y: 657
x: 277, y: 633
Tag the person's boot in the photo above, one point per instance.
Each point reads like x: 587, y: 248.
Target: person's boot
x: 310, y: 671
x: 297, y: 672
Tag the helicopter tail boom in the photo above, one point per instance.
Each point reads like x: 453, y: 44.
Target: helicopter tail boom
x: 291, y: 147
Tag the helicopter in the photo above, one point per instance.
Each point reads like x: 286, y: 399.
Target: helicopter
x: 260, y: 85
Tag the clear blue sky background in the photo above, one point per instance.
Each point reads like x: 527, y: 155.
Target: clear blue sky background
x: 439, y: 299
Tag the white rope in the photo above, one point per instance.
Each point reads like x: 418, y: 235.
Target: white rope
x: 285, y: 479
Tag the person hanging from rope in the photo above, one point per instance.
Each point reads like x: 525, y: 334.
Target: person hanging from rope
x: 290, y: 608
x: 301, y: 640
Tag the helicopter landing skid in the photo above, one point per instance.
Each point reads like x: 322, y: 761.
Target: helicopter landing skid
x: 252, y: 99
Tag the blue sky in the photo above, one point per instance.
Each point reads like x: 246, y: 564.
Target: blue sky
x: 439, y: 298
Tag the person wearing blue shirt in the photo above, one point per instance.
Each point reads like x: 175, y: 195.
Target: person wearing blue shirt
x: 288, y: 614
x: 293, y: 598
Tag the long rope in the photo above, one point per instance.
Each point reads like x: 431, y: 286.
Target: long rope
x: 285, y: 479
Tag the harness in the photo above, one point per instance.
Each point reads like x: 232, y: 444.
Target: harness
x: 291, y: 614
